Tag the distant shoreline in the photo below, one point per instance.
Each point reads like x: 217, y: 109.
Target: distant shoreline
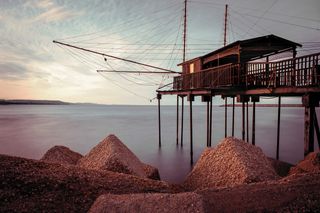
x: 33, y: 102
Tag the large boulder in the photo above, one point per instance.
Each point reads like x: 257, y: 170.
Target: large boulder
x: 112, y: 155
x: 298, y: 193
x: 61, y: 155
x: 310, y: 164
x: 183, y: 202
x: 37, y: 186
x: 232, y: 162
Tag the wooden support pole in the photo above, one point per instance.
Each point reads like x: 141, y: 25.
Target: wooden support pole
x: 254, y: 123
x: 191, y: 98
x: 177, y: 138
x: 159, y: 118
x: 310, y: 101
x: 207, y: 100
x: 309, y: 130
x: 208, y: 123
x: 210, y: 132
x: 254, y: 99
x: 278, y: 128
x: 182, y: 114
x: 316, y: 127
x: 243, y: 122
x: 243, y: 99
x: 191, y: 134
x: 233, y: 106
x: 225, y: 117
x: 247, y: 103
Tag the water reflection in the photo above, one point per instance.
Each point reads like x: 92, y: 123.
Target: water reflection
x: 29, y: 131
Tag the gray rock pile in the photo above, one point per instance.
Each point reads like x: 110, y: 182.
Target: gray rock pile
x: 61, y: 155
x: 233, y: 162
x: 311, y: 164
x: 112, y: 155
x: 155, y: 203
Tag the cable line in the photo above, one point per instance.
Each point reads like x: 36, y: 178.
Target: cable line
x: 115, y: 57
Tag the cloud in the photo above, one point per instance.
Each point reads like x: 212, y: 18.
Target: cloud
x: 12, y: 71
x: 48, y: 11
x: 44, y: 4
x: 55, y: 14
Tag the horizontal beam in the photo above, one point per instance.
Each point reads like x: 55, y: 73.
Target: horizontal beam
x: 232, y: 91
x: 185, y: 92
x: 135, y: 72
x: 283, y: 91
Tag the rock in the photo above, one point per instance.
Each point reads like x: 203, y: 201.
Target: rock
x: 183, y: 202
x: 310, y: 164
x: 61, y: 155
x: 300, y: 193
x: 232, y: 162
x: 151, y: 172
x: 37, y: 186
x: 112, y: 155
x: 281, y: 168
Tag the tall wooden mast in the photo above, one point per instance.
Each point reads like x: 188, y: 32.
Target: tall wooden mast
x: 185, y: 30
x: 225, y: 26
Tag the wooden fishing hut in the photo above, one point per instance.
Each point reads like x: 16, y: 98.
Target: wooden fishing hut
x: 243, y: 70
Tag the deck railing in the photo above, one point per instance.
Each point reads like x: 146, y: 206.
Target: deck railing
x: 226, y: 75
x: 300, y: 71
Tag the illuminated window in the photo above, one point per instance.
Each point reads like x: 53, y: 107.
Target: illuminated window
x: 191, y: 68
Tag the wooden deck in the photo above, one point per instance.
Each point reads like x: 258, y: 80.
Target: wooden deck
x: 295, y: 76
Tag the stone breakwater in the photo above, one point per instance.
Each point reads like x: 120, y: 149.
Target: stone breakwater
x: 232, y: 177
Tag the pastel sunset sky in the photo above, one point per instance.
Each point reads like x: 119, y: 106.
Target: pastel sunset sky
x: 148, y: 31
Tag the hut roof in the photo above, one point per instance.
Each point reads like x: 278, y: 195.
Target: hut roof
x: 251, y: 49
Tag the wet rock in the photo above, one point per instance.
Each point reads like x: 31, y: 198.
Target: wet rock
x: 311, y: 164
x: 232, y: 162
x: 183, y: 202
x: 61, y: 155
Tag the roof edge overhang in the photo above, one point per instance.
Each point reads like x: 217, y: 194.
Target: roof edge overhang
x: 287, y: 43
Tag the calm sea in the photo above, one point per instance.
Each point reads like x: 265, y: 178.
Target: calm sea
x: 30, y: 130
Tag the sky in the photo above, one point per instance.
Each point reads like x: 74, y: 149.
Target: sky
x: 147, y: 31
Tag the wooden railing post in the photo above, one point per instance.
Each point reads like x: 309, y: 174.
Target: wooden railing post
x: 310, y: 101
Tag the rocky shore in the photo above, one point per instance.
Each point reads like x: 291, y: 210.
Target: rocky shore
x: 232, y: 177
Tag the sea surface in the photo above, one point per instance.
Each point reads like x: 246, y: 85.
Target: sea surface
x: 30, y: 130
